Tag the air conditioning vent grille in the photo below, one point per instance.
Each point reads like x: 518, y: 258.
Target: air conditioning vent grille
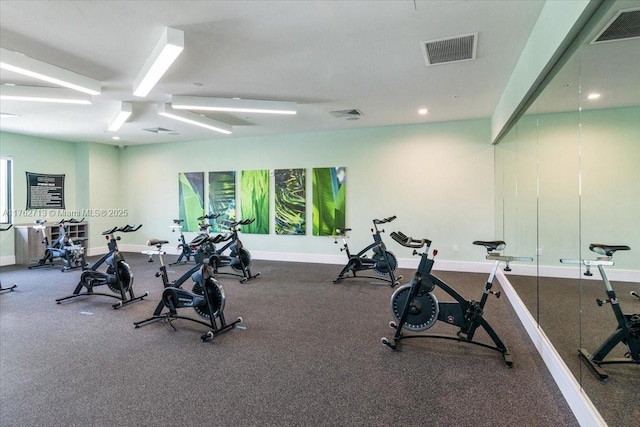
x: 454, y: 49
x: 348, y: 114
x: 161, y: 130
x: 625, y: 25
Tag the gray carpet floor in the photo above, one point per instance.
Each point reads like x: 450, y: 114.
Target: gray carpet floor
x: 308, y: 354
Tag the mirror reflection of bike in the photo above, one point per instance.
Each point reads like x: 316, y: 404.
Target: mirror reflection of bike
x: 627, y: 334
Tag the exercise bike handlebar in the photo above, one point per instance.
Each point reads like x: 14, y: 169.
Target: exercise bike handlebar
x: 384, y: 221
x: 242, y: 222
x: 126, y: 229
x: 209, y: 216
x: 409, y: 242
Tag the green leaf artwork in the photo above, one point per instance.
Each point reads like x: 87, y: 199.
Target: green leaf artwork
x: 190, y: 198
x: 222, y: 199
x: 254, y: 200
x: 329, y: 200
x: 290, y: 201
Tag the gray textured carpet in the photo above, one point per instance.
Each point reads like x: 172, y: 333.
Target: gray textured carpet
x: 310, y: 356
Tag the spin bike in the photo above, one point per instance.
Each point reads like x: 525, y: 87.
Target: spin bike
x: 415, y: 307
x: 238, y: 257
x: 118, y: 276
x: 628, y: 330
x: 382, y: 262
x: 186, y: 251
x: 207, y: 297
x: 10, y: 288
x: 71, y: 254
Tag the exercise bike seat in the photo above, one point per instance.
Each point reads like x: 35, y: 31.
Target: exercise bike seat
x: 607, y: 250
x: 157, y: 242
x: 492, y: 245
x: 342, y: 231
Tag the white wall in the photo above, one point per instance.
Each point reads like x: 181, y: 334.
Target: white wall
x: 38, y: 155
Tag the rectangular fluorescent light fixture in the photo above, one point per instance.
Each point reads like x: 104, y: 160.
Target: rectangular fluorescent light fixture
x: 22, y: 64
x: 121, y: 117
x: 166, y: 51
x: 43, y: 94
x: 233, y: 105
x: 165, y: 110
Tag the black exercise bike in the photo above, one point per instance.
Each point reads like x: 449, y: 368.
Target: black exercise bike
x: 628, y: 330
x: 188, y: 250
x: 233, y: 253
x: 117, y: 277
x: 416, y: 308
x: 382, y: 262
x: 12, y: 287
x: 207, y: 297
x: 63, y: 248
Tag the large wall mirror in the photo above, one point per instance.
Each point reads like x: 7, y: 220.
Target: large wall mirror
x: 568, y: 175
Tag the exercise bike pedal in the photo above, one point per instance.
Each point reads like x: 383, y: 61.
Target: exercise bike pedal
x: 396, y: 282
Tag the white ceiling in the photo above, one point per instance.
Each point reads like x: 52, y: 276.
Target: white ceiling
x: 323, y: 55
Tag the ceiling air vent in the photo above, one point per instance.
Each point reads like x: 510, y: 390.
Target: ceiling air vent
x: 160, y: 130
x: 625, y: 25
x: 453, y: 49
x: 350, y: 114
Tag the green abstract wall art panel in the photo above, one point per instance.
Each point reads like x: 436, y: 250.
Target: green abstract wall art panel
x: 290, y: 201
x: 329, y: 200
x: 190, y: 198
x: 222, y: 199
x: 254, y: 200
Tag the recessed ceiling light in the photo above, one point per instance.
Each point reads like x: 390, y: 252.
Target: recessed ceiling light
x: 593, y: 96
x: 115, y: 138
x: 423, y: 111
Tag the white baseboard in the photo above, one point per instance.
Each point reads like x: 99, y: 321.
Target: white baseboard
x: 582, y: 407
x: 7, y: 260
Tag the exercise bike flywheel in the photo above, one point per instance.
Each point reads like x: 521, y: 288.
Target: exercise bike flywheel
x: 216, y: 294
x: 423, y: 310
x: 125, y: 275
x: 380, y: 267
x: 245, y: 257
